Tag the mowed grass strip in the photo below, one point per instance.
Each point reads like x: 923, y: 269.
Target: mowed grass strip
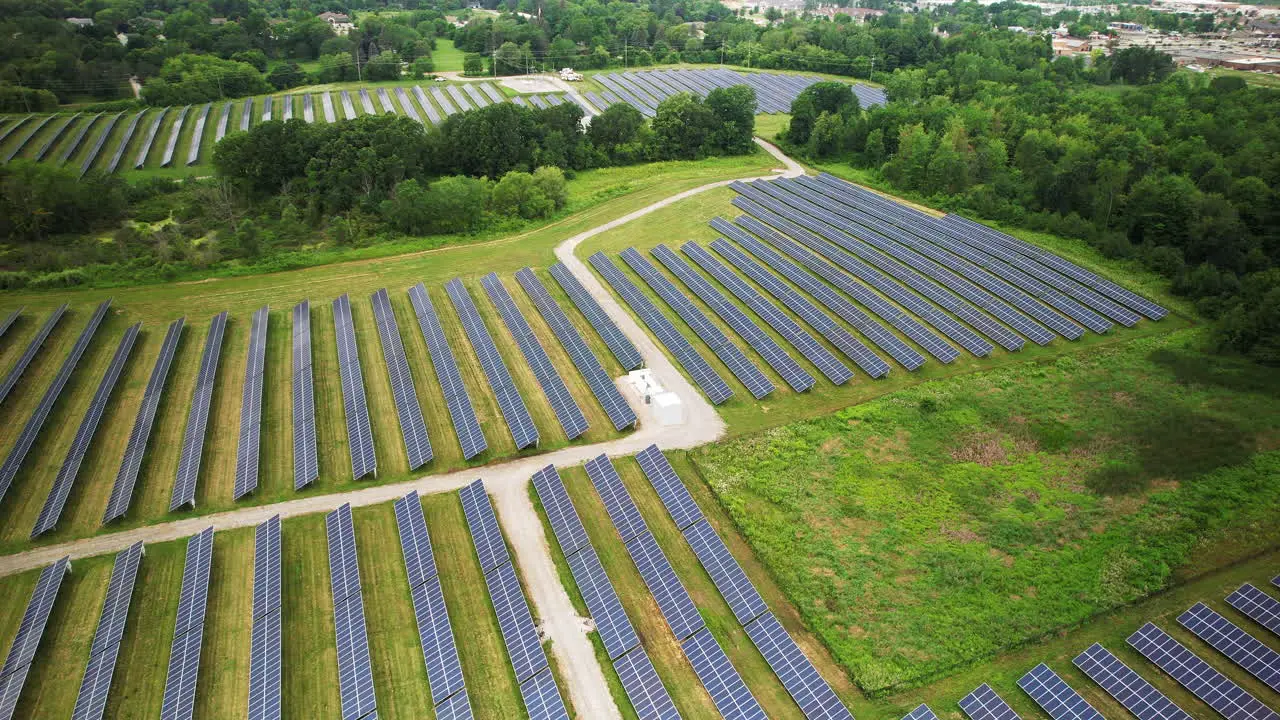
x: 491, y: 683
x: 223, y: 687
x: 309, y: 655
x: 275, y: 453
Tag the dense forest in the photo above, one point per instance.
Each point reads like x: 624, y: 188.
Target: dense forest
x: 1174, y: 170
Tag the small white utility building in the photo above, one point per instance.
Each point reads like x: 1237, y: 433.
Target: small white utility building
x: 663, y: 406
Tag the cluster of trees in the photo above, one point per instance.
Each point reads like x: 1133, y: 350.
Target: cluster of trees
x: 464, y: 204
x: 1180, y: 173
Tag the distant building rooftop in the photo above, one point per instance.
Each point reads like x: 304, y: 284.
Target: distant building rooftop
x: 81, y: 22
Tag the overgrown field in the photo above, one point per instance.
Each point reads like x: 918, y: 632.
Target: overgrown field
x: 950, y: 521
x: 309, y: 657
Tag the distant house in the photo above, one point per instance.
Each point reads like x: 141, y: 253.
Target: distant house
x: 1071, y: 46
x: 340, y: 22
x: 81, y: 22
x: 218, y: 21
x: 857, y: 13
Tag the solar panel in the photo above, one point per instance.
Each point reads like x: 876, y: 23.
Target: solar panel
x: 542, y: 697
x: 126, y: 478
x: 166, y: 158
x: 1244, y: 650
x: 923, y: 336
x: 265, y: 642
x: 671, y: 489
x: 703, y: 375
x: 78, y: 138
x: 1055, y: 696
x: 616, y: 632
x: 492, y: 92
x: 188, y: 633
x: 566, y: 408
x: 756, y: 383
x: 456, y: 397
x: 355, y: 674
x: 91, y: 156
x: 66, y: 477
x: 456, y: 707
x: 348, y: 107
x: 366, y: 102
x: 1259, y: 606
x: 617, y: 501
x: 184, y: 486
x: 922, y: 712
x: 721, y: 679
x: 1215, y: 689
x: 672, y: 598
x: 854, y: 349
x: 514, y: 411
x: 251, y: 406
x: 615, y: 406
x: 643, y: 687
x: 439, y: 650
x: 31, y: 430
x: 781, y: 323
x: 617, y: 342
x: 306, y: 465
x: 148, y: 139
x: 798, y: 675
x: 407, y: 104
x: 443, y: 101
x: 565, y: 523
x: 356, y: 409
x: 17, y: 663
x: 91, y: 702
x: 984, y: 704
x: 765, y: 346
x: 491, y: 549
x: 33, y: 347
x: 193, y: 149
x: 412, y: 427
x: 221, y: 131
x: 1126, y: 686
x: 9, y: 320
x: 518, y: 633
x: 725, y: 572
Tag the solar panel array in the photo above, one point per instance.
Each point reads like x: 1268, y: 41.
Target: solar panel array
x: 984, y: 704
x: 922, y: 712
x: 524, y: 649
x: 639, y: 679
x: 702, y: 373
x: 747, y: 373
x: 413, y: 428
x: 851, y: 347
x: 184, y: 486
x: 729, y: 693
x: 306, y: 465
x: 514, y: 411
x: 764, y: 345
x: 33, y: 348
x: 355, y: 407
x: 561, y: 400
x: 27, y: 437
x: 66, y: 477
x: 1244, y: 650
x: 91, y: 701
x: 188, y: 633
x: 13, y: 675
x: 461, y: 412
x: 9, y: 320
x: 1055, y: 697
x: 439, y: 650
x: 1259, y: 606
x: 798, y: 675
x: 265, y: 645
x: 802, y: 341
x: 1127, y: 687
x: 617, y: 342
x: 355, y: 673
x: 251, y: 406
x: 1196, y: 675
x: 127, y: 477
x: 615, y: 406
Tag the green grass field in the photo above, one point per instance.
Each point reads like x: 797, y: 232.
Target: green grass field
x: 446, y: 57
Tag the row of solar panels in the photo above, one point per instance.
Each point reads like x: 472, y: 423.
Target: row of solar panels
x: 71, y: 131
x: 1061, y: 702
x: 364, y: 460
x: 887, y: 271
x: 645, y: 90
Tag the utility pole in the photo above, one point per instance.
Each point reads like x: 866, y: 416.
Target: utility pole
x: 624, y: 53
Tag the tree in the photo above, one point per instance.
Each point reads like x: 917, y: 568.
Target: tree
x: 473, y: 64
x: 269, y: 157
x: 517, y: 194
x: 551, y: 183
x: 825, y: 140
x: 286, y: 75
x: 187, y: 79
x: 619, y: 126
x: 457, y: 203
x: 386, y: 66
x: 423, y: 66
x: 735, y: 109
x: 835, y: 98
x: 682, y: 127
x: 408, y: 209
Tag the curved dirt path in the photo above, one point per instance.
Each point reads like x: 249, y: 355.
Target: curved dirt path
x: 506, y: 482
